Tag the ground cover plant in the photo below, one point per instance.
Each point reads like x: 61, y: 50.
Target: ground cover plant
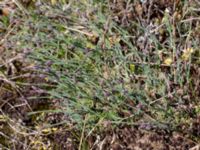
x: 100, y: 74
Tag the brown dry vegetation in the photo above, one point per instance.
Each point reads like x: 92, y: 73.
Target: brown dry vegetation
x: 142, y: 87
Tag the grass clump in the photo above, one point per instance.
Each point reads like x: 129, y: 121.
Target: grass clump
x: 109, y: 63
x: 100, y: 73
